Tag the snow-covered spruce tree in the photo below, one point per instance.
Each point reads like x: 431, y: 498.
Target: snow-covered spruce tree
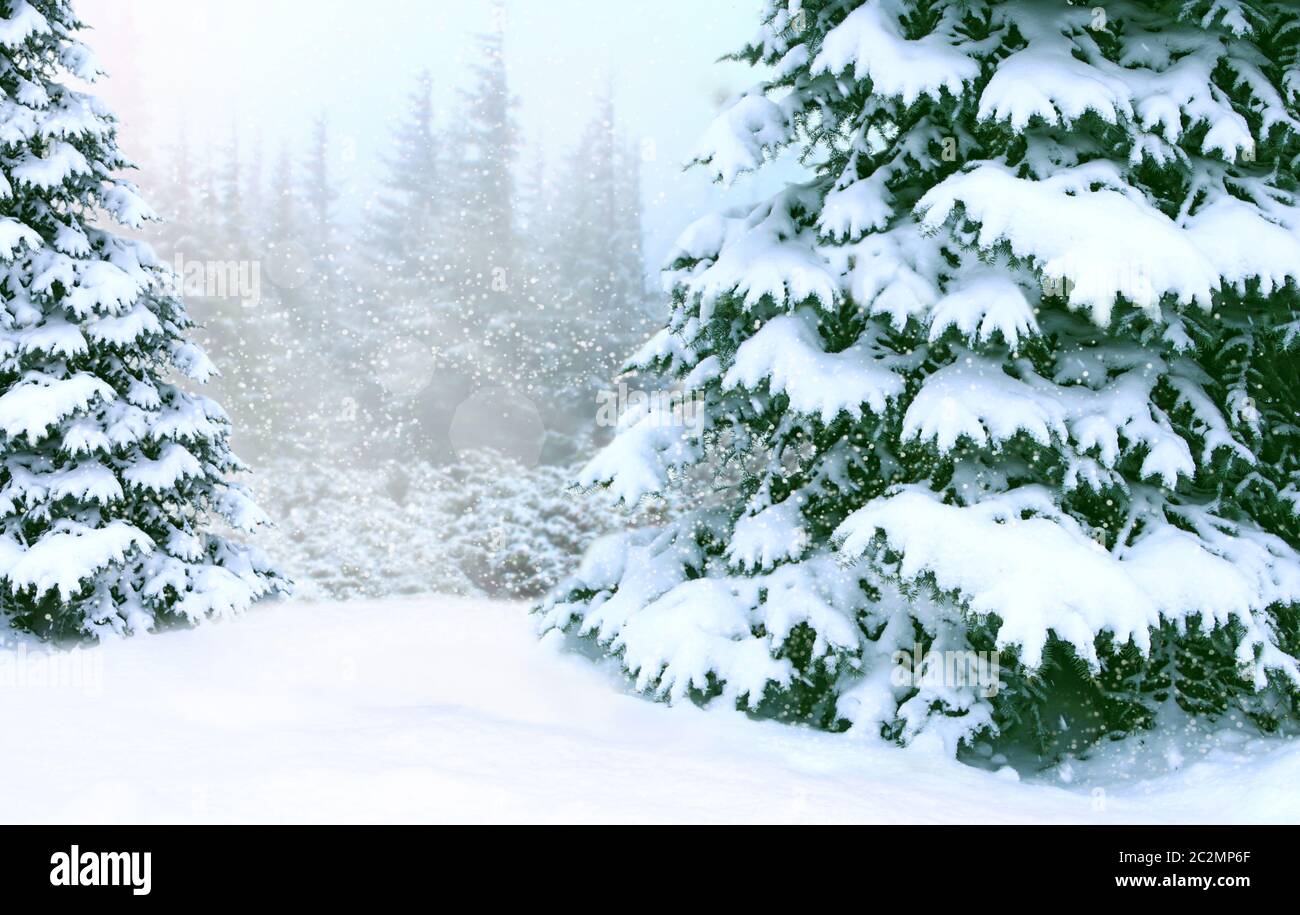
x: 109, y: 472
x: 1014, y: 371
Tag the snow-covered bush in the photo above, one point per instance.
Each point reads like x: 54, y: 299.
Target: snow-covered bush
x: 1020, y: 362
x: 515, y: 531
x: 343, y: 531
x: 110, y: 472
x: 485, y: 525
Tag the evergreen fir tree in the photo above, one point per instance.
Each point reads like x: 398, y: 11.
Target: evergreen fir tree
x: 406, y: 315
x: 231, y: 195
x: 404, y: 234
x: 320, y: 217
x: 584, y: 277
x: 321, y: 195
x: 323, y: 286
x: 1012, y: 372
x: 207, y: 231
x: 282, y: 216
x: 537, y: 201
x: 406, y: 219
x: 282, y: 236
x: 293, y: 336
x: 254, y: 190
x: 483, y: 247
x: 597, y: 260
x: 628, y: 286
x: 111, y: 474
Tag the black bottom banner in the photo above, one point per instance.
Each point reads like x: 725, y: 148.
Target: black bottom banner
x: 337, y: 863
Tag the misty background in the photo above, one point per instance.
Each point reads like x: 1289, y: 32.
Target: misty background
x: 421, y: 239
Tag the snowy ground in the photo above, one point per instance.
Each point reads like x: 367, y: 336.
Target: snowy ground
x: 446, y: 710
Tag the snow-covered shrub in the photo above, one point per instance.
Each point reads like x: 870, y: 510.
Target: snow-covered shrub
x: 1013, y: 375
x: 344, y: 531
x: 486, y: 525
x: 514, y: 532
x: 111, y: 473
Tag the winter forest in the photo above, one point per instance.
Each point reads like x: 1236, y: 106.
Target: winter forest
x: 416, y: 380
x: 904, y: 405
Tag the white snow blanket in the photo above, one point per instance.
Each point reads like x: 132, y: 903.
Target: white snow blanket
x: 442, y: 710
